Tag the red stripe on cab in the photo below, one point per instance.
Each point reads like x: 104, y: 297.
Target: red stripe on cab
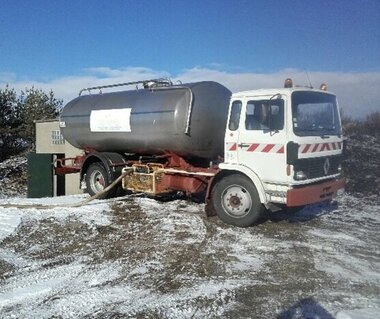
x: 281, y: 150
x: 315, y: 148
x: 233, y: 147
x: 306, y: 148
x: 267, y: 148
x: 253, y: 147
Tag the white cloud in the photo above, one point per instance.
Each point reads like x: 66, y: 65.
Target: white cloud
x: 7, y: 76
x: 358, y: 93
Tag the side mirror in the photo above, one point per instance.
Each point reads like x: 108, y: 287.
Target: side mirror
x: 269, y: 122
x: 292, y: 153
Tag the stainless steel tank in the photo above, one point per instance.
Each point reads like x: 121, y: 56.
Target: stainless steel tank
x: 187, y: 119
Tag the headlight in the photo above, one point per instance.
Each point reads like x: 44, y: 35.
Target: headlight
x: 300, y: 176
x: 340, y: 169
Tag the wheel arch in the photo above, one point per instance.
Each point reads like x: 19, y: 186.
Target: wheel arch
x: 227, y: 170
x: 108, y: 160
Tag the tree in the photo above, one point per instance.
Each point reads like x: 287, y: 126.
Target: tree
x: 9, y: 123
x: 35, y: 105
x: 18, y: 115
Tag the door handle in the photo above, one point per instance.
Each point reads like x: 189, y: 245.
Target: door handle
x: 241, y: 145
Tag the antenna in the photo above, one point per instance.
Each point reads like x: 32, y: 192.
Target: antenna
x: 308, y: 78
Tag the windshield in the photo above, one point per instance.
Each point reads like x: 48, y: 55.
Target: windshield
x: 315, y: 114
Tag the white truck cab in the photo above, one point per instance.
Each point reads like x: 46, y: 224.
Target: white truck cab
x: 288, y: 142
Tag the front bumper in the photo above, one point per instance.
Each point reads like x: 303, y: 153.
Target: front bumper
x: 314, y: 193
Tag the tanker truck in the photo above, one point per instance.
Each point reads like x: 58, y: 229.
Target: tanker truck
x: 242, y: 154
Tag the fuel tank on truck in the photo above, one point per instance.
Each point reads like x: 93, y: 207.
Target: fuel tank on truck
x: 187, y: 119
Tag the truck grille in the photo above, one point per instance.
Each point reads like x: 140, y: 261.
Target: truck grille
x: 315, y: 167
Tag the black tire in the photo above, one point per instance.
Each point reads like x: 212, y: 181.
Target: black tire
x: 237, y: 201
x: 97, y: 180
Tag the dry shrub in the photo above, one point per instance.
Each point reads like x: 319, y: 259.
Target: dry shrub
x: 369, y: 126
x: 362, y: 165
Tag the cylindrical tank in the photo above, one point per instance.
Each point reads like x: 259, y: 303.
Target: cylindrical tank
x: 187, y: 119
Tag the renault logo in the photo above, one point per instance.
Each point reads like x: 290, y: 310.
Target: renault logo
x: 326, y: 166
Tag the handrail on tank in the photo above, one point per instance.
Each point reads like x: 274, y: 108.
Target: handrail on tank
x: 147, y: 84
x: 151, y: 84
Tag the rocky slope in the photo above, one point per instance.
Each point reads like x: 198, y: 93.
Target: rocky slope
x: 13, y: 176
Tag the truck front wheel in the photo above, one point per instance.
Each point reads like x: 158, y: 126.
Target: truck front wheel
x: 237, y: 201
x: 97, y: 180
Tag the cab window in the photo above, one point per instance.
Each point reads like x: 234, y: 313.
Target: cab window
x: 233, y: 125
x: 259, y: 116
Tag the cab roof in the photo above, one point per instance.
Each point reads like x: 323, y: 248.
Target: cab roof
x: 282, y: 91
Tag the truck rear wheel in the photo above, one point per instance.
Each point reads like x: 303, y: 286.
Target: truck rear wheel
x: 237, y: 201
x: 97, y: 180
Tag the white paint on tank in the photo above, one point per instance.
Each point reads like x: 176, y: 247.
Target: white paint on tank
x: 111, y: 120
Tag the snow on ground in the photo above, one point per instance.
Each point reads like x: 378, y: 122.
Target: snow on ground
x: 141, y: 258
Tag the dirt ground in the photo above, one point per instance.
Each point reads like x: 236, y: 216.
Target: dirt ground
x: 140, y: 258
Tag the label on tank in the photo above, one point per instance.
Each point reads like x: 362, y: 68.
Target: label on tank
x: 113, y: 120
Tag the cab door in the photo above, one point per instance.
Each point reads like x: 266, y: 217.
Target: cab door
x: 262, y: 138
x: 231, y: 138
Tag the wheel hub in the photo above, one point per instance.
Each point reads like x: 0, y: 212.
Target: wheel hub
x: 236, y: 201
x: 97, y: 181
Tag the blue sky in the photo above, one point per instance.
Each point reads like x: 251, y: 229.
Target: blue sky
x: 44, y: 41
